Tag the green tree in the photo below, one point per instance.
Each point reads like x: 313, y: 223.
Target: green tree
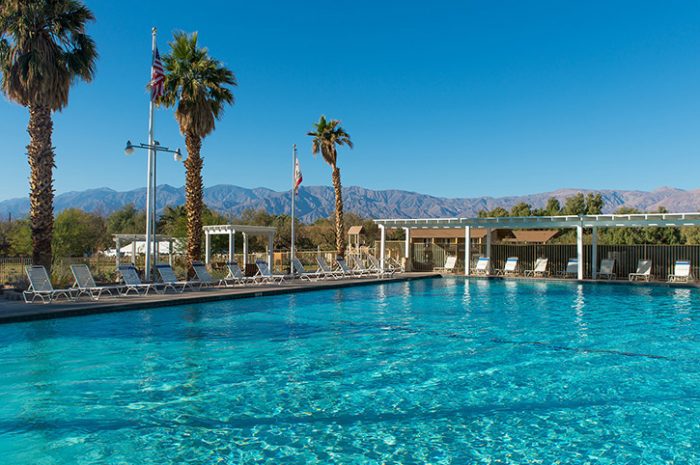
x: 553, y: 207
x: 594, y: 204
x: 78, y: 233
x: 575, y: 205
x: 43, y: 49
x: 19, y: 238
x: 521, y: 209
x: 328, y: 134
x: 199, y: 87
x: 127, y: 220
x: 690, y: 235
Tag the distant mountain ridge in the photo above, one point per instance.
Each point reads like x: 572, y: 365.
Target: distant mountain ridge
x: 316, y: 202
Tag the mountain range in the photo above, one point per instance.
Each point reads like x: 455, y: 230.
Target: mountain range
x: 315, y: 202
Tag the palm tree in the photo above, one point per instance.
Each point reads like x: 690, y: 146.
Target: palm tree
x: 326, y: 136
x: 197, y: 85
x: 43, y: 50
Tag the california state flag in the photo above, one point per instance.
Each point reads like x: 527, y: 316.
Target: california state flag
x: 297, y: 176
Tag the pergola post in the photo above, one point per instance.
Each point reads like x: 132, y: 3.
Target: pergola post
x: 407, y: 245
x: 382, y: 244
x: 207, y: 247
x: 579, y: 250
x: 231, y: 244
x: 270, y: 249
x: 467, y: 249
x: 119, y: 246
x: 245, y: 250
x: 488, y: 249
x: 594, y: 252
x: 133, y: 255
x: 170, y: 252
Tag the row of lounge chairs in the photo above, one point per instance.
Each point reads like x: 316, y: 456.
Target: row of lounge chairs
x: 40, y: 286
x: 681, y: 270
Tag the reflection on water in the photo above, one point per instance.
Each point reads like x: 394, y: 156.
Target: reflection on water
x: 681, y: 300
x: 579, y: 306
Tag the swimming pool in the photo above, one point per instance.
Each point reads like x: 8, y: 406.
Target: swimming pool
x: 433, y: 371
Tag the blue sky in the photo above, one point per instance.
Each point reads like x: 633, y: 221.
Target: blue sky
x: 448, y: 98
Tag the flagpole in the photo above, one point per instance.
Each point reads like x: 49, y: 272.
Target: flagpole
x: 294, y: 188
x: 150, y: 204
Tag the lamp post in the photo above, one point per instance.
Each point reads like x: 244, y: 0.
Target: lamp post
x: 151, y: 195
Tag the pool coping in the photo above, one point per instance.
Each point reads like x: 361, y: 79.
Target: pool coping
x: 19, y: 311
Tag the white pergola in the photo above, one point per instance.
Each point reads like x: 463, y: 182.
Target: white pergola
x: 592, y: 222
x: 231, y: 230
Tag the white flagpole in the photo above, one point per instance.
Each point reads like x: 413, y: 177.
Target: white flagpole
x: 149, y: 184
x: 294, y: 185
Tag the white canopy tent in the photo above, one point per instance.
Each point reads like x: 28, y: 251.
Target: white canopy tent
x: 592, y: 222
x: 139, y: 247
x: 230, y: 230
x: 136, y: 245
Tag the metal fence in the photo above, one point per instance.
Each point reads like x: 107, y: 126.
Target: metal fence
x: 426, y: 257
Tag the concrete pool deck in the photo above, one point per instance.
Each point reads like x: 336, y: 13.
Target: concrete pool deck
x: 14, y: 311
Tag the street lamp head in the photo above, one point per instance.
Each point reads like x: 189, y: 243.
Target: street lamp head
x: 129, y: 148
x: 178, y: 155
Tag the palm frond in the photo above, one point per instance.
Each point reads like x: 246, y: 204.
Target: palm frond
x: 327, y: 134
x: 45, y: 48
x: 196, y: 84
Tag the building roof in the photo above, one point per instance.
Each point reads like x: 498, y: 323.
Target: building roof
x: 533, y: 236
x: 355, y: 230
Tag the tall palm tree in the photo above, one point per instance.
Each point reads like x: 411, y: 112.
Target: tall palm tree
x: 43, y: 50
x: 326, y: 135
x: 196, y: 84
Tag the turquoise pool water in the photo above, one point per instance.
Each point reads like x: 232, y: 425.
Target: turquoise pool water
x: 441, y: 371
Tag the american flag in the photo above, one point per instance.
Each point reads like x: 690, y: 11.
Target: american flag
x: 157, y: 77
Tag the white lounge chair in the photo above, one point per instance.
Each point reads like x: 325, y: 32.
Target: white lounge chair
x: 324, y: 267
x: 40, y: 286
x: 131, y: 280
x: 510, y: 268
x: 360, y: 267
x: 169, y: 279
x: 607, y: 266
x: 540, y: 268
x: 346, y: 270
x: 392, y: 264
x: 204, y: 278
x: 450, y: 263
x: 571, y: 270
x: 482, y: 266
x: 681, y: 272
x: 643, y: 272
x: 374, y: 265
x: 235, y: 275
x: 299, y: 271
x: 85, y: 284
x: 264, y: 274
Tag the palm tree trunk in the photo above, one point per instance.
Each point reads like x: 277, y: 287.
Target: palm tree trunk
x: 339, y: 229
x: 194, y: 203
x: 41, y: 163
